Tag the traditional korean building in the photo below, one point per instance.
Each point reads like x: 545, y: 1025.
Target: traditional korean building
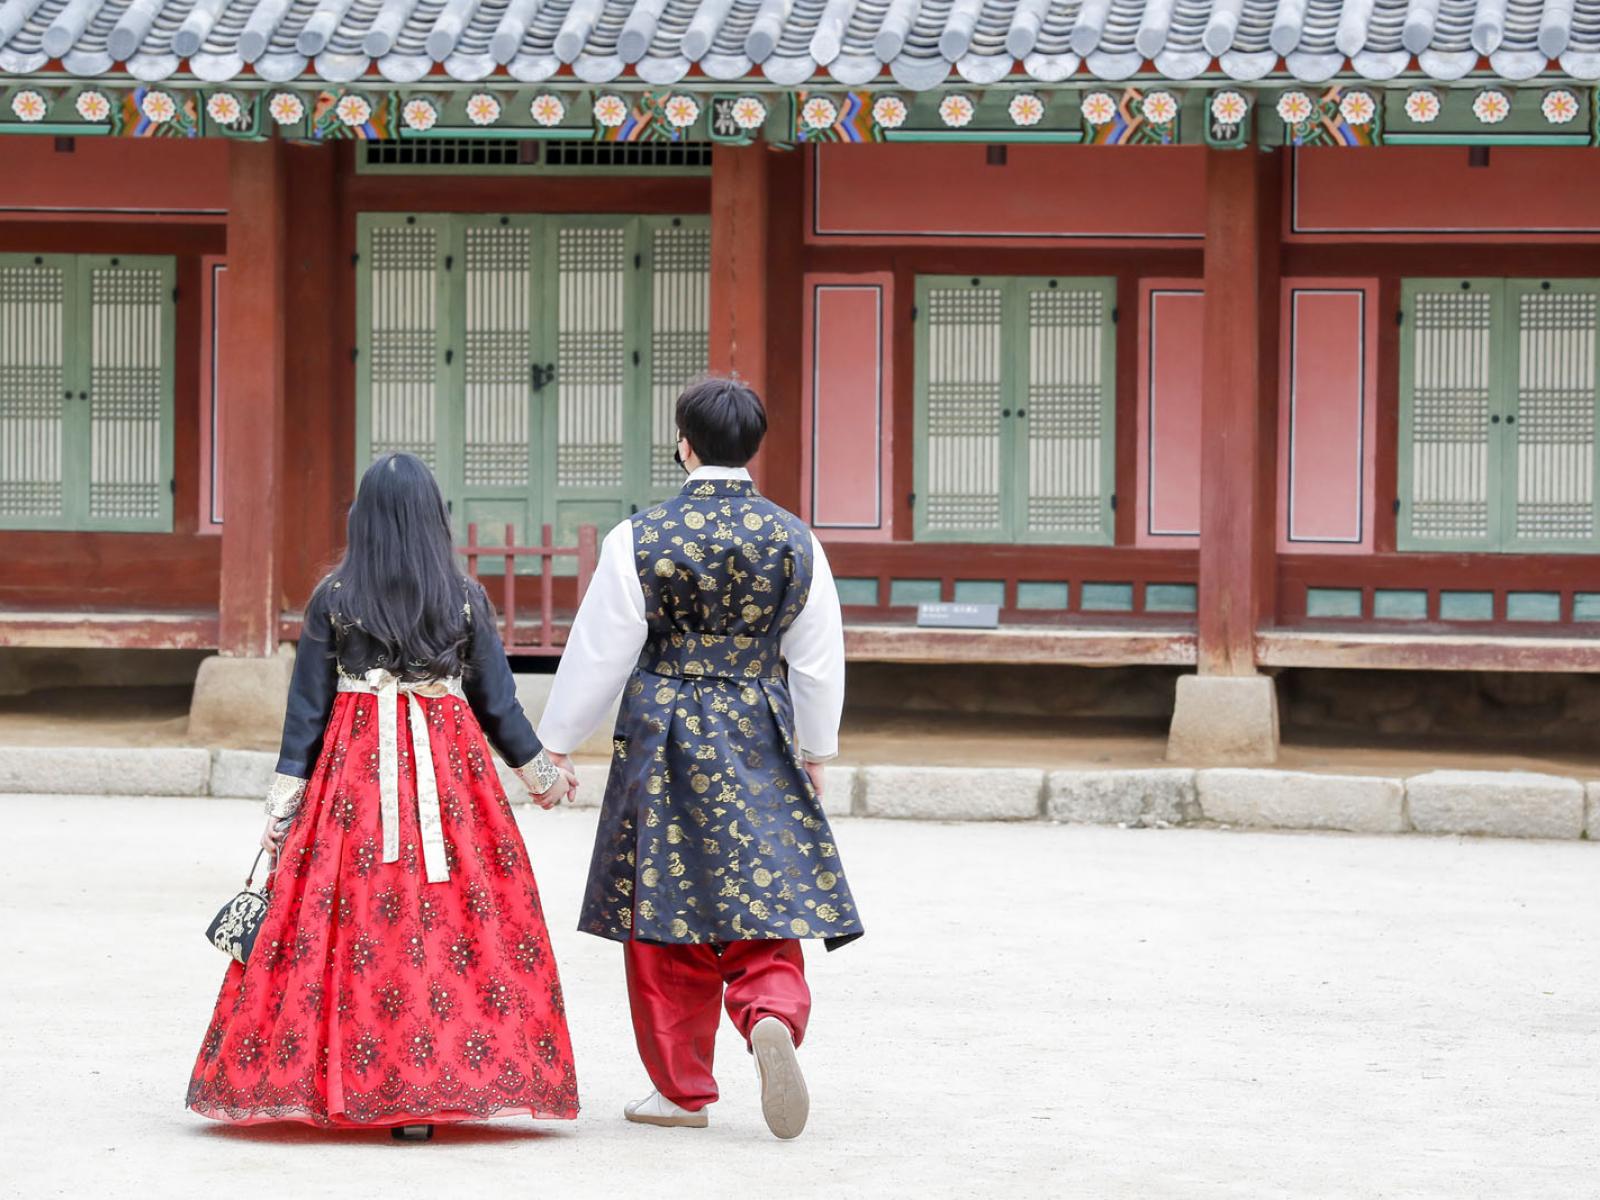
x: 1232, y: 335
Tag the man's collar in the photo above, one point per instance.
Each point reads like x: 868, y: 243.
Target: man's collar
x: 704, y: 473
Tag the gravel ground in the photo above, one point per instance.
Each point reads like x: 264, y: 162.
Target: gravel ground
x: 1036, y: 1011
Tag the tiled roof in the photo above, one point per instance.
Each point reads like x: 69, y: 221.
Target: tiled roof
x: 912, y: 44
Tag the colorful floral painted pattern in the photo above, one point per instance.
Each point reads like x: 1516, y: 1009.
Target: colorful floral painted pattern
x: 682, y: 111
x: 889, y: 112
x: 29, y: 106
x: 419, y: 115
x: 749, y: 112
x: 1229, y: 108
x: 1491, y: 106
x: 1559, y: 106
x: 819, y: 113
x: 547, y: 109
x: 610, y: 110
x: 372, y: 997
x: 1358, y: 108
x: 957, y: 111
x: 710, y: 831
x: 1026, y: 109
x: 286, y: 108
x: 1160, y: 108
x: 482, y: 109
x: 1422, y: 106
x: 1099, y: 108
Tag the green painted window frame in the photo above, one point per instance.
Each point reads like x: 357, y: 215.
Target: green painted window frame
x: 1505, y: 348
x: 76, y: 380
x: 564, y: 508
x: 1014, y: 473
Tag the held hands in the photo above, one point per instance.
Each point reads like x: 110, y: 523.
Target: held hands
x: 272, y: 836
x: 814, y: 771
x: 565, y: 785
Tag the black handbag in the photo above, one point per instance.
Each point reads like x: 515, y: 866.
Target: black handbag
x: 234, y: 929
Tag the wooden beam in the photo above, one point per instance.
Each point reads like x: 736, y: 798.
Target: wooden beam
x: 110, y: 630
x: 739, y: 268
x: 252, y: 403
x: 1082, y: 647
x: 1237, y: 420
x: 1427, y: 652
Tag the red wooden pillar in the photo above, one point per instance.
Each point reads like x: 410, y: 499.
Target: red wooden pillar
x: 739, y: 267
x: 252, y: 364
x: 1237, y: 408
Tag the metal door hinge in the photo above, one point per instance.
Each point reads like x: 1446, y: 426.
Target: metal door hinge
x: 1116, y: 314
x: 636, y: 358
x: 355, y: 259
x: 172, y: 486
x: 1397, y: 506
x: 638, y: 261
x: 449, y: 261
x: 449, y: 357
x: 1113, y: 502
x: 1399, y: 316
x: 913, y: 312
x: 174, y: 295
x: 911, y: 499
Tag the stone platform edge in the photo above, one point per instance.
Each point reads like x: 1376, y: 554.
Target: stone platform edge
x: 1488, y: 803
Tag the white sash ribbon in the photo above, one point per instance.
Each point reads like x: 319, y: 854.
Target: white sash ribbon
x: 391, y: 692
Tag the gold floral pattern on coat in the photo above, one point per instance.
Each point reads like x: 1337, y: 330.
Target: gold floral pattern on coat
x: 710, y: 830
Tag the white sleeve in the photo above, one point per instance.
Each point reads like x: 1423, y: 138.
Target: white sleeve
x: 814, y: 648
x: 602, y: 648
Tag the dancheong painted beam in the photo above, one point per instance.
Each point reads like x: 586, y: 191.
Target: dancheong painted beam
x: 1215, y: 71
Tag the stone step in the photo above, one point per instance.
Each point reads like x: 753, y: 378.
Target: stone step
x: 1486, y: 803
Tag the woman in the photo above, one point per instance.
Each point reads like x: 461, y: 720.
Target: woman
x: 402, y: 974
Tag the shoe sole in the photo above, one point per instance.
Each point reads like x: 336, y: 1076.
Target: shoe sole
x: 692, y: 1121
x: 785, y: 1103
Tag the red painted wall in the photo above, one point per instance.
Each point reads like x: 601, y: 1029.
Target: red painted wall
x: 1328, y: 415
x: 114, y: 179
x: 1434, y: 191
x: 847, y: 433
x: 1171, y: 339
x: 905, y: 192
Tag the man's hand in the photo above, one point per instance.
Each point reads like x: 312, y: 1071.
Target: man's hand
x: 814, y: 770
x: 568, y: 772
x: 553, y: 795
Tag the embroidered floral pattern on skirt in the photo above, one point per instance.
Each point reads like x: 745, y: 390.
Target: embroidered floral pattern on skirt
x: 373, y: 997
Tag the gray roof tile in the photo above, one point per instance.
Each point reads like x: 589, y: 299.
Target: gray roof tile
x: 918, y: 44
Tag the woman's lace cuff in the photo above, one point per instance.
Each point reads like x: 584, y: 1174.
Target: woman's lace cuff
x: 284, y: 796
x: 539, y: 774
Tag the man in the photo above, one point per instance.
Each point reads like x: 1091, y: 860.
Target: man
x: 713, y: 858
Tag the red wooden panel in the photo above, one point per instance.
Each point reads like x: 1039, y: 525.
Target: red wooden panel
x: 213, y: 272
x: 1171, y: 337
x: 1327, y: 426
x: 135, y: 178
x: 847, y: 436
x: 1407, y: 190
x: 908, y: 192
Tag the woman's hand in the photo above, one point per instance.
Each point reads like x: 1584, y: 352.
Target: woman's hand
x: 272, y: 836
x: 553, y: 795
x: 815, y: 771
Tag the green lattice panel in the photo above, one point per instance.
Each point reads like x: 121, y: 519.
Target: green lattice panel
x: 960, y: 392
x: 1449, y: 364
x: 680, y: 261
x: 35, y: 392
x: 130, y: 391
x: 592, y: 325
x: 1551, y: 477
x: 1066, y: 412
x: 497, y: 355
x: 400, y: 330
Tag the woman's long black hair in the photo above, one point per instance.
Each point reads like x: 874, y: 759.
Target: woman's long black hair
x: 399, y: 597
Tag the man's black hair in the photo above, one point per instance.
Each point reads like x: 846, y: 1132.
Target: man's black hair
x: 723, y: 419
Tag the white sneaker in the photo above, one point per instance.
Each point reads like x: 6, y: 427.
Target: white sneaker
x: 785, y: 1103
x: 656, y: 1109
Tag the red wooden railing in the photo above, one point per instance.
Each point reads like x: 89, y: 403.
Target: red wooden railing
x: 549, y: 638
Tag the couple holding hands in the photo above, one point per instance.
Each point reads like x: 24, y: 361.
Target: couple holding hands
x: 402, y: 976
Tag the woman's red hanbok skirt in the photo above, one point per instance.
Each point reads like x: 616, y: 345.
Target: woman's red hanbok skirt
x: 373, y: 997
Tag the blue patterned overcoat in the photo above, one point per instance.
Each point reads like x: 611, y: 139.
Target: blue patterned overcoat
x: 710, y: 831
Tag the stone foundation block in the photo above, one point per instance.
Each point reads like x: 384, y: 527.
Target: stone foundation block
x: 240, y: 699
x: 242, y: 774
x: 1159, y: 797
x: 952, y: 794
x: 1497, y: 803
x: 105, y: 771
x: 1224, y: 720
x: 1591, y: 819
x: 533, y: 691
x: 838, y: 790
x: 1300, y: 800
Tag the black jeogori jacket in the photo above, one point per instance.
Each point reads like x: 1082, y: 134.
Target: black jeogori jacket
x: 487, y: 683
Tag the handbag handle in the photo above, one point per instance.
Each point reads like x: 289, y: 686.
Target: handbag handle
x: 249, y: 879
